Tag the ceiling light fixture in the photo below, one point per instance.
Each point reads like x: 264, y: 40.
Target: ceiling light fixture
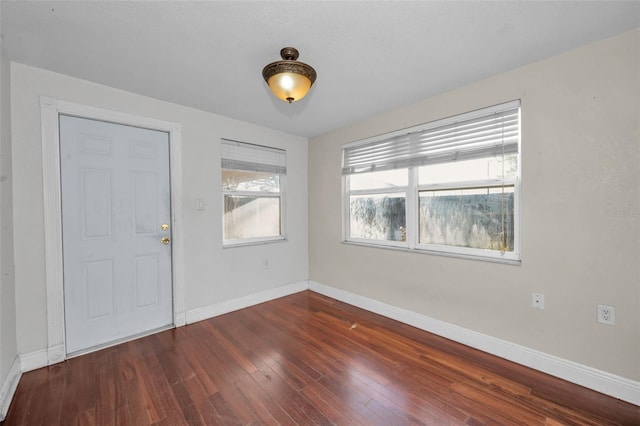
x: 289, y: 79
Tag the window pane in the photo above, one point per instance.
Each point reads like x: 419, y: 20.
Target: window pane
x: 475, y: 218
x: 378, y: 217
x: 469, y: 170
x: 241, y: 180
x: 251, y: 217
x: 384, y: 179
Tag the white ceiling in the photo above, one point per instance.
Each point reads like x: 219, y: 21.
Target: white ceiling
x: 370, y: 56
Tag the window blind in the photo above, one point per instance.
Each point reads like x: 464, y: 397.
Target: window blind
x: 245, y: 156
x: 484, y: 133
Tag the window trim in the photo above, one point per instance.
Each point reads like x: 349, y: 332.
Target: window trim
x: 412, y: 200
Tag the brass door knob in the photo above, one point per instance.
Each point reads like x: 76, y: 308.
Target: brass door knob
x: 165, y: 240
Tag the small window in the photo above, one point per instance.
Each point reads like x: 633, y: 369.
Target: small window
x: 253, y: 190
x: 450, y: 186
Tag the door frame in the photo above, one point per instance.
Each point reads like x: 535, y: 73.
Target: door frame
x: 50, y: 109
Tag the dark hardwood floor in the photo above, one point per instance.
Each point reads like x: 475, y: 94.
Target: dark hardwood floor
x: 303, y: 359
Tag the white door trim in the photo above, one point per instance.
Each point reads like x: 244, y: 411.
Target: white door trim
x: 50, y: 109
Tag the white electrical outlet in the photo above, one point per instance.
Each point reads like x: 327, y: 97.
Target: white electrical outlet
x: 606, y: 315
x: 537, y: 300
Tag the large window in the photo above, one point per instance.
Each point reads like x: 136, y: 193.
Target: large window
x: 450, y: 186
x: 253, y: 179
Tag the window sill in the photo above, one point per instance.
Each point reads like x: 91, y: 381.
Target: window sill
x: 514, y: 262
x: 256, y: 242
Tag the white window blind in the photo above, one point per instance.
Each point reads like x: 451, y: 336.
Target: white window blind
x: 245, y: 156
x: 483, y: 133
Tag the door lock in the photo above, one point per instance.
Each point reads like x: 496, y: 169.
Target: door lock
x: 164, y: 226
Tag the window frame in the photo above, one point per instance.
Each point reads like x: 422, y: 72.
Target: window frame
x: 281, y: 195
x: 412, y: 204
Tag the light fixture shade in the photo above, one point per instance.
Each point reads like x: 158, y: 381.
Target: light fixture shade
x: 289, y: 79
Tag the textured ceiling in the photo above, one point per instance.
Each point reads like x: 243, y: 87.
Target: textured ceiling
x: 370, y: 56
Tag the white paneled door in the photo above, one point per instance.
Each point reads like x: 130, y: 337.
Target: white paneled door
x: 116, y: 217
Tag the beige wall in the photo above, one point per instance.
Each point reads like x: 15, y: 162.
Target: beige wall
x: 8, y: 343
x: 212, y: 274
x: 580, y: 162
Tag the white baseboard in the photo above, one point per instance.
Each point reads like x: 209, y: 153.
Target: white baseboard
x: 600, y: 381
x: 34, y: 360
x: 206, y: 312
x: 9, y: 386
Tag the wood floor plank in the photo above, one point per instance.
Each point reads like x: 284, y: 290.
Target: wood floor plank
x: 230, y: 403
x: 38, y: 402
x: 268, y: 409
x: 56, y: 383
x: 232, y: 350
x: 105, y: 405
x: 200, y: 365
x: 224, y: 411
x: 296, y: 406
x: 303, y: 359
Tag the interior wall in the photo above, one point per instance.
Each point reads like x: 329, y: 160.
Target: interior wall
x: 212, y: 274
x: 8, y: 343
x: 580, y: 211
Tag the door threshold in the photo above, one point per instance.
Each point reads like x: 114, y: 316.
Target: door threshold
x: 119, y: 341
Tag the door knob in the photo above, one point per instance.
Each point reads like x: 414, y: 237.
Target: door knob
x: 165, y: 240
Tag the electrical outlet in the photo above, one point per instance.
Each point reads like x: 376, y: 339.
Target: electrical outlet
x: 265, y: 263
x: 606, y: 315
x: 537, y: 300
